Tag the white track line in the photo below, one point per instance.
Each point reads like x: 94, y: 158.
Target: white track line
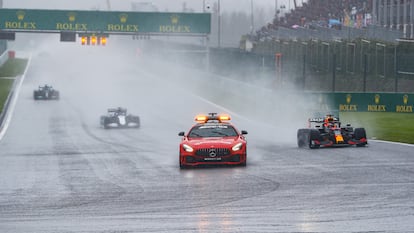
x: 395, y: 143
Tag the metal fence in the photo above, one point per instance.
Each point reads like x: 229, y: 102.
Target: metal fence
x: 358, y: 65
x: 345, y: 65
x: 372, y: 32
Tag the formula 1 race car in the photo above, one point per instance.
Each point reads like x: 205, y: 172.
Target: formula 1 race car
x: 118, y: 118
x: 212, y: 141
x: 46, y: 92
x: 327, y: 132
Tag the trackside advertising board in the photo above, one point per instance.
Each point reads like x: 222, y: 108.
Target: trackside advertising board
x: 362, y: 102
x: 374, y: 102
x: 104, y: 21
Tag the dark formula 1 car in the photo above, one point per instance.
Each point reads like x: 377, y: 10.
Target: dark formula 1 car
x: 46, y: 92
x: 119, y: 118
x: 327, y: 131
x: 212, y: 141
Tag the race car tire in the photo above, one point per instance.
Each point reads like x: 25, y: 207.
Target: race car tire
x: 57, y: 95
x: 359, y: 134
x: 136, y: 120
x: 35, y: 95
x: 314, y: 134
x: 105, y: 122
x: 302, y: 137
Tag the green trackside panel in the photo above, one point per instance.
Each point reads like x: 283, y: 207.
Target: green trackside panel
x: 375, y: 102
x: 104, y: 21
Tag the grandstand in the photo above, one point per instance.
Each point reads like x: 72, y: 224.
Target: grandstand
x: 320, y: 11
x: 375, y: 19
x: 394, y: 14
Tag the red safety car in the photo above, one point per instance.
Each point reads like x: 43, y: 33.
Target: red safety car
x: 212, y: 141
x: 328, y: 132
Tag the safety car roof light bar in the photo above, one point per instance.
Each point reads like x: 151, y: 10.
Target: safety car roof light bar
x: 212, y: 117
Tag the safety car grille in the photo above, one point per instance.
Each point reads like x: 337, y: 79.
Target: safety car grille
x: 212, y: 152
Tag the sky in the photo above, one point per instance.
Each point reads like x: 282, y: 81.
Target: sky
x: 163, y: 5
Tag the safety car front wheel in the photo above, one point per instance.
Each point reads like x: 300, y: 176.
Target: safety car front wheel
x: 182, y: 166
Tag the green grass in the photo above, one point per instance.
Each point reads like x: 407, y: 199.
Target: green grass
x: 5, y: 85
x: 10, y: 69
x: 397, y: 127
x: 13, y: 67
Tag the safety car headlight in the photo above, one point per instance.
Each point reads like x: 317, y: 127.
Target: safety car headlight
x: 237, y: 147
x: 188, y: 148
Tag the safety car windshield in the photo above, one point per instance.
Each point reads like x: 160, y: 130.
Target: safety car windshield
x: 212, y: 131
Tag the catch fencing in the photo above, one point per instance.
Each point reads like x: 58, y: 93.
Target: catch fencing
x: 343, y: 65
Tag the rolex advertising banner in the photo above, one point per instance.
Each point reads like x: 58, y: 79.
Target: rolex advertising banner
x: 103, y: 21
x: 374, y: 102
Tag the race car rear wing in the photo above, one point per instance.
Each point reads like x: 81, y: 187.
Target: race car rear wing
x: 322, y: 119
x: 117, y: 109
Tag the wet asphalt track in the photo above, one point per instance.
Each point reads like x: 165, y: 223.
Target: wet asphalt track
x: 60, y: 172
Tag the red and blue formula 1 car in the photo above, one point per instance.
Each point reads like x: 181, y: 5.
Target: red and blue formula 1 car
x: 212, y: 141
x: 328, y: 132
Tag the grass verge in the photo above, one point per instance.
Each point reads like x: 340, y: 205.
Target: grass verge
x: 396, y: 127
x: 13, y: 67
x: 10, y: 69
x: 5, y: 86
